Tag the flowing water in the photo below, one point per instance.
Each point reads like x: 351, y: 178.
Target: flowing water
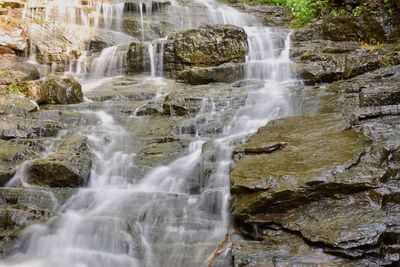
x: 171, y: 217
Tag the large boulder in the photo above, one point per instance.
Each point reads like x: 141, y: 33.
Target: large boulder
x: 314, y: 177
x: 69, y: 166
x: 207, y: 46
x: 300, y: 159
x: 60, y: 90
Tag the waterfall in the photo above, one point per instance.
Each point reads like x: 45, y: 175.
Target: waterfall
x: 109, y: 63
x: 155, y: 51
x: 170, y: 217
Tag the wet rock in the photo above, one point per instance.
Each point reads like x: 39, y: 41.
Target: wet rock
x: 60, y: 90
x: 69, y: 166
x: 226, y: 73
x: 11, y: 155
x: 330, y: 66
x: 12, y: 127
x: 207, y: 46
x: 308, y: 33
x: 363, y: 61
x: 159, y: 153
x: 136, y: 57
x: 351, y: 222
x: 14, y: 219
x: 371, y: 95
x: 379, y: 96
x: 369, y: 27
x: 341, y: 28
x: 322, y: 156
x: 16, y: 105
x: 97, y: 45
x: 271, y: 15
x: 284, y: 249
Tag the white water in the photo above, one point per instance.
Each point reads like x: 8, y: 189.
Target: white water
x: 155, y: 52
x: 166, y: 219
x: 81, y: 12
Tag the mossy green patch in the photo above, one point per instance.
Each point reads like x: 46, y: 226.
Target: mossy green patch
x: 16, y: 88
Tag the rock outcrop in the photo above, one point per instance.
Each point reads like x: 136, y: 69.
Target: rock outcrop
x: 207, y: 46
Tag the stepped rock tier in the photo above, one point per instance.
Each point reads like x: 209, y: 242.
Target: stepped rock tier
x: 189, y: 133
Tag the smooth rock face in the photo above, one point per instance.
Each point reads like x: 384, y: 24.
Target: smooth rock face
x: 207, y: 46
x: 315, y: 158
x: 60, y: 90
x: 69, y: 166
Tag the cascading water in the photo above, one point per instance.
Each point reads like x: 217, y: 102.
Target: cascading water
x: 169, y: 218
x: 155, y: 52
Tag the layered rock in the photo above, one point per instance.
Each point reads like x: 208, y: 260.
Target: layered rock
x: 207, y: 46
x: 12, y: 155
x: 228, y: 73
x: 327, y: 61
x: 16, y: 105
x: 12, y: 126
x: 69, y: 166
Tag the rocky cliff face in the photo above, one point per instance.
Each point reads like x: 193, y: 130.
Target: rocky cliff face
x: 319, y: 189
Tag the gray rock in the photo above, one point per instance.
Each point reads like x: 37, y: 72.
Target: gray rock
x: 136, y: 60
x: 226, y: 73
x: 207, y: 46
x: 16, y: 105
x: 69, y: 166
x: 11, y: 155
x: 12, y: 127
x: 14, y: 219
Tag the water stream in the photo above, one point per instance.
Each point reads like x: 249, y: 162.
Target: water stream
x: 163, y: 220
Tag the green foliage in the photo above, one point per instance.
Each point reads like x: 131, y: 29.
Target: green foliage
x: 2, y: 70
x: 302, y: 10
x: 305, y: 10
x: 358, y: 10
x: 15, y: 88
x: 338, y: 12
